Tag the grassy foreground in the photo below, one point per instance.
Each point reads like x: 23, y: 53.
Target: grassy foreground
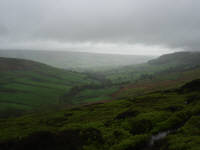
x: 118, y: 125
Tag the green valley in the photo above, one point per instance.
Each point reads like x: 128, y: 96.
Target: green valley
x: 27, y: 85
x: 150, y: 106
x: 99, y: 75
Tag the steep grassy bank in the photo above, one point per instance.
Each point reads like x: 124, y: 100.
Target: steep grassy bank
x: 158, y: 81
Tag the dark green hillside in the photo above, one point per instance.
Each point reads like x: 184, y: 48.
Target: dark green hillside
x: 164, y: 120
x: 179, y: 58
x: 7, y: 64
x: 27, y: 85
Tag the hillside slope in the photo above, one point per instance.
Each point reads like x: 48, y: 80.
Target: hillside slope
x: 179, y: 58
x: 26, y: 85
x: 159, y: 81
x: 164, y: 120
x: 169, y: 63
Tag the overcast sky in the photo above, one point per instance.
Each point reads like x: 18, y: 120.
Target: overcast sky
x: 151, y: 27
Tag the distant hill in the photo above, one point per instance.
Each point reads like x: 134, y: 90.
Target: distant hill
x: 179, y: 58
x: 12, y: 64
x: 78, y: 61
x: 169, y: 63
x: 27, y: 85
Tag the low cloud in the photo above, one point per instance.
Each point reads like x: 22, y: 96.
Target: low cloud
x: 113, y: 26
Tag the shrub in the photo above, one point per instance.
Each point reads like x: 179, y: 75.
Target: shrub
x: 127, y: 114
x: 175, y: 121
x: 133, y: 143
x: 139, y: 126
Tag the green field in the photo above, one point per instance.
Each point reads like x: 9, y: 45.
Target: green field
x: 94, y: 95
x: 26, y: 85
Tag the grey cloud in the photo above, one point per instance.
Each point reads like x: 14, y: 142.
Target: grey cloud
x: 173, y: 24
x: 3, y: 30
